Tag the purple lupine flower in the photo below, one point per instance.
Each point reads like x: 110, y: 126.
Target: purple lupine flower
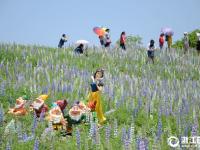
x: 59, y: 86
x: 115, y: 128
x: 1, y: 116
x: 42, y: 115
x: 53, y: 87
x: 93, y: 133
x: 142, y: 144
x: 36, y: 144
x: 107, y: 130
x: 8, y: 147
x: 34, y: 123
x: 78, y: 139
x: 135, y: 112
x: 123, y: 136
x: 45, y: 89
x: 131, y: 133
x: 159, y: 128
x: 194, y: 131
x: 64, y: 90
x: 139, y: 103
x: 118, y: 104
x: 127, y: 143
x: 25, y: 137
x: 19, y: 132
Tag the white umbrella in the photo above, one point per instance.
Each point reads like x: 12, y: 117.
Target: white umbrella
x: 84, y: 42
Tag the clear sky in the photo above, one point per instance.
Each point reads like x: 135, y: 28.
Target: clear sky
x: 43, y: 21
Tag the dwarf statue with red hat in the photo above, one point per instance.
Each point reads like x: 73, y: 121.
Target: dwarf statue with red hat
x: 62, y: 104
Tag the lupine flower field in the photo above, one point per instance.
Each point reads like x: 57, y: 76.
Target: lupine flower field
x: 144, y: 104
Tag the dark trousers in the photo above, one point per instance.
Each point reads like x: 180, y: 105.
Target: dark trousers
x: 122, y: 45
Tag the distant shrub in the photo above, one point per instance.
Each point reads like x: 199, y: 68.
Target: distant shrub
x: 132, y: 40
x: 192, y: 39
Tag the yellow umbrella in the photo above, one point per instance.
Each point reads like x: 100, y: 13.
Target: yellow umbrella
x: 104, y: 28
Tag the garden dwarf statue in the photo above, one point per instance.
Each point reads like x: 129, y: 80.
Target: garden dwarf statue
x: 39, y: 106
x: 19, y: 108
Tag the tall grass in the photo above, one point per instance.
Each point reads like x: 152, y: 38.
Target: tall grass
x: 151, y: 101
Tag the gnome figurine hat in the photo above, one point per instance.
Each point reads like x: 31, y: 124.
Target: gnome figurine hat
x: 39, y: 102
x: 20, y: 102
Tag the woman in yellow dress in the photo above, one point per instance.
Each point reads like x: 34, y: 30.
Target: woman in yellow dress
x: 168, y: 38
x: 94, y: 102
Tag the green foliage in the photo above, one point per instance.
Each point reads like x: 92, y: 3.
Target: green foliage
x: 132, y: 40
x: 29, y: 70
x: 192, y: 40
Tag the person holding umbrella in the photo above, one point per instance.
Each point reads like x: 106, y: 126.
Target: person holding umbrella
x: 168, y: 32
x: 82, y: 46
x: 100, y: 32
x: 168, y: 38
x: 62, y: 41
x: 102, y: 40
x: 107, y: 37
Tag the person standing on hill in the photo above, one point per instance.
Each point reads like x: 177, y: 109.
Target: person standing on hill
x: 168, y: 38
x: 62, y: 41
x: 186, y: 42
x: 150, y: 51
x: 198, y: 44
x: 107, y: 38
x: 161, y: 41
x: 123, y: 40
x: 102, y: 40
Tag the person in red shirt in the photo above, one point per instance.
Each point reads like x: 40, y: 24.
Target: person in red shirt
x: 161, y: 41
x: 123, y: 40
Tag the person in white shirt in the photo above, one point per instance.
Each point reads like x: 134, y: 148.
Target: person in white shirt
x: 62, y: 41
x: 150, y: 51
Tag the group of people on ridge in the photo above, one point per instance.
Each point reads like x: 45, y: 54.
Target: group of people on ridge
x: 105, y: 42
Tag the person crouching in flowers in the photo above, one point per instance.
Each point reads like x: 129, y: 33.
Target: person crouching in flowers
x: 39, y: 106
x: 56, y: 117
x: 94, y: 102
x: 19, y: 109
